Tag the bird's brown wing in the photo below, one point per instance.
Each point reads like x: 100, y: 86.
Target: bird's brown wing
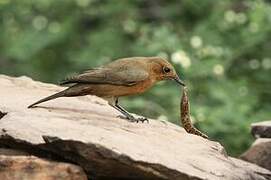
x: 123, y: 75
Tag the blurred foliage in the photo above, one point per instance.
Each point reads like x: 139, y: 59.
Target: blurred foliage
x: 222, y: 49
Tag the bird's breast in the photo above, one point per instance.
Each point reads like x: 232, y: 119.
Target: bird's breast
x: 139, y: 88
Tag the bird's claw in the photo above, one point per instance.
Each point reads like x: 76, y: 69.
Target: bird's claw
x: 142, y: 119
x: 133, y: 119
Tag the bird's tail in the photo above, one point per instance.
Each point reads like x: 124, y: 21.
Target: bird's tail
x: 54, y: 96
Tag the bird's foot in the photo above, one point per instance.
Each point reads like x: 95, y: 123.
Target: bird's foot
x: 142, y: 119
x: 133, y: 119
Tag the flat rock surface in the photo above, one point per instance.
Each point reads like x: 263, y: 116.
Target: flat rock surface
x: 259, y: 153
x: 261, y: 129
x: 86, y: 131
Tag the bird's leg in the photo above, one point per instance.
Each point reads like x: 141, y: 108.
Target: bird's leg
x: 122, y: 111
x: 129, y: 116
x: 126, y: 114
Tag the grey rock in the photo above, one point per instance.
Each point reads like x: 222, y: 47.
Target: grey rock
x: 87, y: 132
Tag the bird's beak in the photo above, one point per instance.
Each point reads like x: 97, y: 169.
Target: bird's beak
x: 179, y: 81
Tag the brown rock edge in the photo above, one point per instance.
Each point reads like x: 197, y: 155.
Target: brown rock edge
x: 85, y: 131
x: 259, y: 153
x: 30, y: 167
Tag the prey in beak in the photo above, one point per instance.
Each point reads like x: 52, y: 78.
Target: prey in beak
x: 179, y: 81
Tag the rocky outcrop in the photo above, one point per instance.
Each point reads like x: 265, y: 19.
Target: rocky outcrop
x: 30, y: 167
x: 86, y: 131
x: 12, y: 152
x: 259, y: 153
x: 261, y: 129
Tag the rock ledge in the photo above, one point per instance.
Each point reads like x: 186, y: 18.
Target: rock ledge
x: 86, y: 132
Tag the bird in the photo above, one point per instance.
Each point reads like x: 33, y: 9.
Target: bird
x: 121, y: 77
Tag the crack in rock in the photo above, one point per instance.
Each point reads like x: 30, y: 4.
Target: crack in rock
x: 91, y: 157
x: 2, y: 114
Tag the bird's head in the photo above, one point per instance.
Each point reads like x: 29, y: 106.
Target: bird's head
x: 163, y: 70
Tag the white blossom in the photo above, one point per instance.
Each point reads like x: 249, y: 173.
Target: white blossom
x: 39, y: 22
x: 196, y: 42
x: 180, y: 57
x: 266, y: 63
x: 218, y: 69
x: 229, y: 16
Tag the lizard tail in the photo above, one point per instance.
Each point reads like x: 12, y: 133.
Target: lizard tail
x: 185, y: 116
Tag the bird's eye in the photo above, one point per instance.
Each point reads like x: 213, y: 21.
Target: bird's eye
x: 166, y: 69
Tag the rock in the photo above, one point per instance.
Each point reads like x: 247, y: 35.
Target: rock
x: 2, y: 114
x: 12, y: 152
x: 261, y: 129
x: 30, y: 167
x: 259, y: 153
x: 86, y: 131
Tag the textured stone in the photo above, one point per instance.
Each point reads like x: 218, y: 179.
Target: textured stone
x: 12, y: 152
x: 86, y: 131
x: 30, y: 167
x: 259, y: 153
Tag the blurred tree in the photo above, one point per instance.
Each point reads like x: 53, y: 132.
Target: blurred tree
x: 221, y: 48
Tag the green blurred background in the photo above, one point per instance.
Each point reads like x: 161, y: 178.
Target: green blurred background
x: 222, y: 49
